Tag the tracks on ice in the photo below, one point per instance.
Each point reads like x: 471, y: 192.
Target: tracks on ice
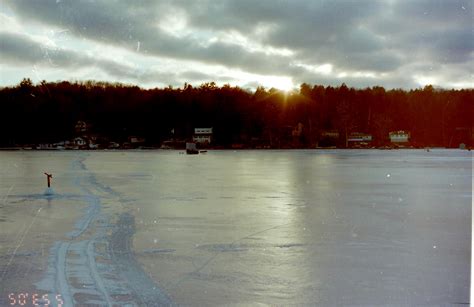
x: 95, y: 267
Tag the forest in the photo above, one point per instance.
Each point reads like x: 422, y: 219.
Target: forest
x: 47, y: 112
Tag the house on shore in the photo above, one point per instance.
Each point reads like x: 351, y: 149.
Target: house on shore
x: 202, y: 135
x: 80, y: 142
x: 399, y: 137
x: 358, y: 139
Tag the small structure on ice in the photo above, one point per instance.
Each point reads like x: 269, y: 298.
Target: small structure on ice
x: 48, y: 177
x: 49, y: 190
x: 191, y: 149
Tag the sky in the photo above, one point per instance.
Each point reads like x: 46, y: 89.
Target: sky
x: 247, y: 43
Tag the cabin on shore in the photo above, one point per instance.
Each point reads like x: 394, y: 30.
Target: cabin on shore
x: 399, y: 137
x: 358, y: 139
x: 202, y: 135
x: 77, y: 143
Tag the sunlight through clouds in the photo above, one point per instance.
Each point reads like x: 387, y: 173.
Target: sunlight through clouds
x: 363, y: 43
x: 281, y: 83
x: 174, y: 23
x: 324, y: 69
x: 236, y: 38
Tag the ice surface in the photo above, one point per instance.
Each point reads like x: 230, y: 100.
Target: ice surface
x: 352, y: 227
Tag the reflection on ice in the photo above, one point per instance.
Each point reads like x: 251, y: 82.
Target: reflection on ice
x: 247, y: 227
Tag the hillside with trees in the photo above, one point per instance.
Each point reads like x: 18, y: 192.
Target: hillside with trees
x: 48, y: 112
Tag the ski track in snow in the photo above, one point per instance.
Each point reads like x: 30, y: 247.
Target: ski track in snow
x: 94, y: 267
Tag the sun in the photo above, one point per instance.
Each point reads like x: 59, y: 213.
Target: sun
x: 281, y: 83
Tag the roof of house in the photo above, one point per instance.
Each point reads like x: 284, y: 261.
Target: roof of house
x: 203, y: 130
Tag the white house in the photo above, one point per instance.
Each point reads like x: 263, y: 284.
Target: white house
x: 202, y: 135
x: 399, y: 136
x: 358, y: 140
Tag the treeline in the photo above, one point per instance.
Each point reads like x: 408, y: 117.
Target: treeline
x: 48, y: 112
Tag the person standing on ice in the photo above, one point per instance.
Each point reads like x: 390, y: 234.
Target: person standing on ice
x: 49, y: 176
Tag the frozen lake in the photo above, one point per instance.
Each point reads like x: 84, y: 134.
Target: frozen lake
x: 327, y: 227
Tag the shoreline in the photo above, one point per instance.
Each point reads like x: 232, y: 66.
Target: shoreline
x: 229, y: 148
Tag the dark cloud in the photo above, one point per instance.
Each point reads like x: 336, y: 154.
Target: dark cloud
x: 113, y: 24
x: 441, y: 12
x: 19, y: 49
x: 384, y: 37
x: 23, y: 51
x: 196, y: 76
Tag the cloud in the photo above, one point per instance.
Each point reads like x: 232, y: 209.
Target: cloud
x: 23, y: 51
x: 123, y: 25
x: 359, y: 39
x: 19, y: 49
